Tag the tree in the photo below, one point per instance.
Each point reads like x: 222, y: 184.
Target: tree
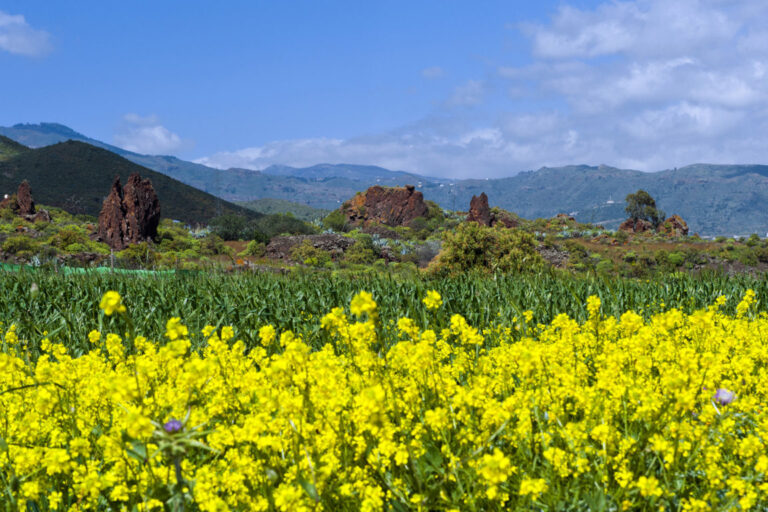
x: 641, y: 206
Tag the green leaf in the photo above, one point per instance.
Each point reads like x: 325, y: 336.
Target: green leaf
x: 309, y: 488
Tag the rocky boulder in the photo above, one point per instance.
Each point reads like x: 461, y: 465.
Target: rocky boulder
x: 636, y: 226
x: 23, y: 205
x: 392, y: 206
x: 142, y: 210
x: 479, y: 211
x: 24, y: 199
x: 281, y: 247
x: 129, y: 215
x: 674, y: 227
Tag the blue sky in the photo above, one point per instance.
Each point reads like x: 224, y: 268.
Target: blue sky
x: 437, y: 87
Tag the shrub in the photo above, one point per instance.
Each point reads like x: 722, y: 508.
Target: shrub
x: 229, y: 227
x: 336, y: 221
x: 360, y: 253
x: 472, y: 246
x: 310, y: 255
x: 255, y: 249
x: 19, y: 244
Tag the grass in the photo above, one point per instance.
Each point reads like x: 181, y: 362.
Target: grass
x: 66, y: 306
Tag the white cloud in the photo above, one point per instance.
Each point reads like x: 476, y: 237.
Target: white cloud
x: 432, y: 72
x: 146, y: 135
x: 466, y: 95
x: 17, y: 36
x: 643, y: 84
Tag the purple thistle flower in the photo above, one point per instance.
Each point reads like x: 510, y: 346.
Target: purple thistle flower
x: 724, y: 396
x: 172, y: 426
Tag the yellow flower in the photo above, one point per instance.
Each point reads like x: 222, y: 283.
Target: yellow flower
x: 174, y: 329
x: 648, y: 486
x: 94, y: 336
x: 495, y: 467
x: 267, y: 335
x: 227, y: 333
x: 433, y: 300
x: 533, y: 487
x: 111, y: 302
x: 362, y: 303
x: 593, y: 306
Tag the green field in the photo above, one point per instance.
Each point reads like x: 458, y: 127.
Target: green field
x: 66, y: 305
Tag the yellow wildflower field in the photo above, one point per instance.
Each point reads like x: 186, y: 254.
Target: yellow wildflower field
x: 610, y: 414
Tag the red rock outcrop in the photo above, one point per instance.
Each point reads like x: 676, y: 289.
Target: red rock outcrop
x: 142, y: 210
x: 479, y: 211
x: 636, y: 226
x: 674, y: 226
x: 23, y: 205
x: 395, y: 206
x: 129, y: 215
x: 24, y: 199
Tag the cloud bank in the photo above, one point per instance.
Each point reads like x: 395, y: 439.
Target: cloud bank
x: 146, y: 135
x: 645, y: 84
x: 18, y: 37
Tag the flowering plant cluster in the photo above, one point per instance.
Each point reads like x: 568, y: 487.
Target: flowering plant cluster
x: 614, y: 413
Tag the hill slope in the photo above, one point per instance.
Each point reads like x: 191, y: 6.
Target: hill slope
x: 10, y: 148
x: 77, y: 177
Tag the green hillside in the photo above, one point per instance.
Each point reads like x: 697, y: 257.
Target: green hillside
x: 10, y: 148
x: 77, y: 177
x: 300, y: 211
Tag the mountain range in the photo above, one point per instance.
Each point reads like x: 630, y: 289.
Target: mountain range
x: 713, y: 199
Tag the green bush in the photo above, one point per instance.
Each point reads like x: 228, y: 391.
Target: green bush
x: 336, y: 221
x: 20, y: 244
x: 140, y: 255
x: 360, y: 253
x: 255, y: 249
x: 310, y: 255
x: 472, y: 246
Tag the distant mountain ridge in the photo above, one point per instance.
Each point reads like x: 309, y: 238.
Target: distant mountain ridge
x: 713, y: 199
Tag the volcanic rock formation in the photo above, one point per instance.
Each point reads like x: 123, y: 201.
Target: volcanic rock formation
x: 23, y: 205
x: 129, y: 215
x: 24, y: 199
x: 393, y: 206
x: 636, y: 226
x: 480, y: 212
x: 674, y: 226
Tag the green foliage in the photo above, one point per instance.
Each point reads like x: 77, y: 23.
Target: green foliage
x: 237, y: 227
x: 641, y: 206
x: 229, y: 227
x: 310, y: 255
x: 497, y: 249
x: 360, y: 253
x: 279, y: 224
x: 255, y: 249
x: 270, y: 206
x: 336, y: 221
x: 141, y: 255
x: 20, y: 244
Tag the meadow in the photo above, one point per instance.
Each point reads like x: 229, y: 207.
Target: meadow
x: 320, y: 391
